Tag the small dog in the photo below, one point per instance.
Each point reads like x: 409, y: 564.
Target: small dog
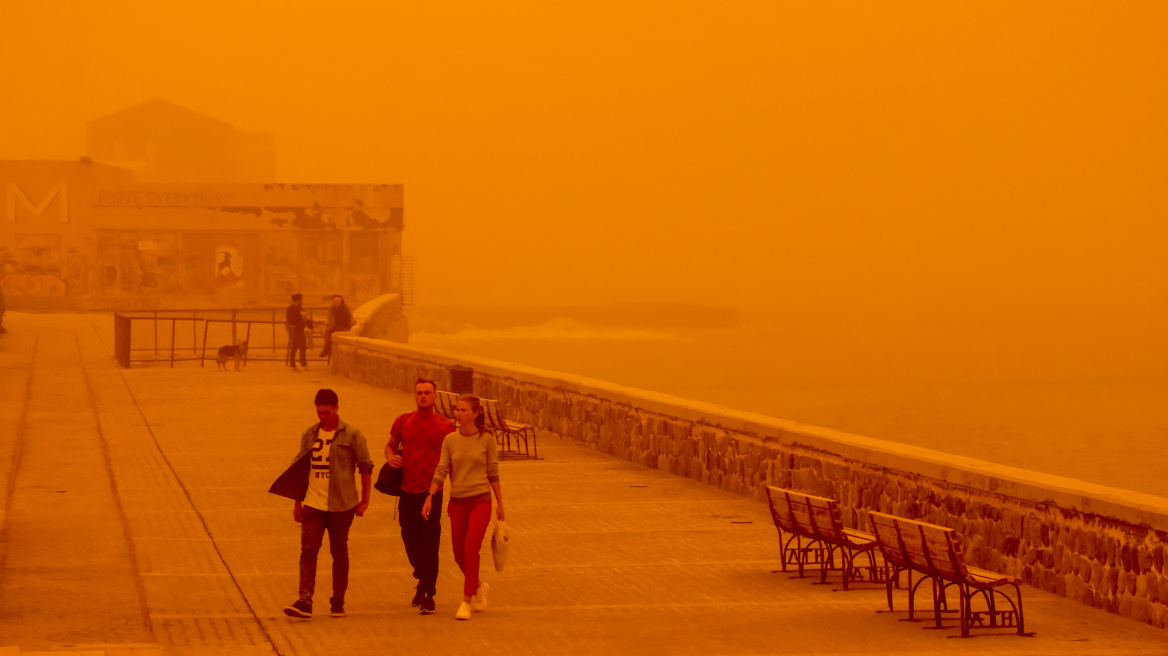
x: 237, y: 351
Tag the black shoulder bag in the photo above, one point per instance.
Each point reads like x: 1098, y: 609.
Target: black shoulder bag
x: 389, y: 480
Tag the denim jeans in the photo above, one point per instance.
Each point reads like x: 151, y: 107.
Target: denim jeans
x: 313, y: 524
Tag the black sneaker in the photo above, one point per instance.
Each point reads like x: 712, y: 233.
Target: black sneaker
x: 299, y: 608
x: 427, y: 605
x: 336, y: 609
x: 418, y: 597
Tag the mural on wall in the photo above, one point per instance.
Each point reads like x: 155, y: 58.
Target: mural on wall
x: 76, y: 269
x: 33, y: 267
x: 133, y: 261
x: 228, y: 267
x: 157, y: 255
x: 279, y: 259
x: 19, y: 284
x: 221, y: 265
x: 321, y: 259
x: 279, y: 250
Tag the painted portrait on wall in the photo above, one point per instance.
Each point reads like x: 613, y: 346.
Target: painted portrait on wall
x: 228, y: 267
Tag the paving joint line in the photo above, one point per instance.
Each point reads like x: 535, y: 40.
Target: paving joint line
x: 127, y: 534
x: 17, y: 454
x: 202, y: 520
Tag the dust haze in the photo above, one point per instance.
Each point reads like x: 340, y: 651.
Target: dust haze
x: 877, y: 193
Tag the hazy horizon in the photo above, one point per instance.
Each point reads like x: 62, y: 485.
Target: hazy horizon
x: 895, y: 156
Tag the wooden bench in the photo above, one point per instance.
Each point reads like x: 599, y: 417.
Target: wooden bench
x: 444, y: 403
x: 934, y: 552
x: 505, y: 431
x: 523, y: 434
x: 815, y: 532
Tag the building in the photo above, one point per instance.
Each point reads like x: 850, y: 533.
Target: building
x: 87, y: 235
x: 159, y: 141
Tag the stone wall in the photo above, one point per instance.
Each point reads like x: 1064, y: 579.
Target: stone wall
x: 1099, y: 545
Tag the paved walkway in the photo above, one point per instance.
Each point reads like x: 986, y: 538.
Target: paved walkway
x: 136, y: 521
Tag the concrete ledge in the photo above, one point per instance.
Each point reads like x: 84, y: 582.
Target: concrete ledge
x: 382, y: 319
x: 1100, y: 545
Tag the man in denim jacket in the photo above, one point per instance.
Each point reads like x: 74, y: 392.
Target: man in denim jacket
x: 322, y: 484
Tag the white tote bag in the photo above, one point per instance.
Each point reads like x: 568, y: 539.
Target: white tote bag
x: 499, y: 540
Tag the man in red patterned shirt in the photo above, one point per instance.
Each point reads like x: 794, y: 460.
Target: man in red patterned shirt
x: 420, y: 434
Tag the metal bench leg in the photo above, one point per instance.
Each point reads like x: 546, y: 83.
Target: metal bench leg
x: 782, y: 551
x: 966, y: 605
x: 912, y: 593
x: 847, y: 560
x: 938, y: 599
x: 1018, y: 596
x: 888, y: 589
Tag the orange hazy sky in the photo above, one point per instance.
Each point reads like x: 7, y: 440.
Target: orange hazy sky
x: 760, y: 154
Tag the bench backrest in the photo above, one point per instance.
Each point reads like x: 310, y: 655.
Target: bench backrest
x: 825, y: 519
x: 445, y: 403
x: 926, y: 548
x: 783, y: 510
x: 805, y: 514
x: 494, y: 415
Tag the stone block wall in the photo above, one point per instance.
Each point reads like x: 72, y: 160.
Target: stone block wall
x: 1101, y: 546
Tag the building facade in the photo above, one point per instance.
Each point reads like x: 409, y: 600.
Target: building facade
x: 85, y: 235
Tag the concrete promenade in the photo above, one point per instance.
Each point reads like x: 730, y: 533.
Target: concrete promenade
x: 136, y: 520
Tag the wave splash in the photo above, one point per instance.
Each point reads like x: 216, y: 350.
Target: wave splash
x: 552, y: 330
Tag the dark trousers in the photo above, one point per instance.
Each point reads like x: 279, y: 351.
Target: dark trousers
x: 328, y: 341
x: 296, y: 342
x: 313, y: 524
x: 421, y: 536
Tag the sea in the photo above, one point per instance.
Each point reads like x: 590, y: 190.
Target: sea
x: 1089, y: 402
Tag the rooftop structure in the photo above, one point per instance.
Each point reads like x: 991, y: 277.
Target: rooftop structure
x: 160, y: 141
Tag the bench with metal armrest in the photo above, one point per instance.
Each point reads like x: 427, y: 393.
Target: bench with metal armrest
x: 815, y: 532
x: 933, y: 551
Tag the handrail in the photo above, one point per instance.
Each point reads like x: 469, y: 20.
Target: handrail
x: 124, y: 349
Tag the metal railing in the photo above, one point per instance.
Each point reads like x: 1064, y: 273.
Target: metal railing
x: 143, y: 336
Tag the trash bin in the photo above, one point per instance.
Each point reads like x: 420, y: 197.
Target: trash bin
x: 461, y: 380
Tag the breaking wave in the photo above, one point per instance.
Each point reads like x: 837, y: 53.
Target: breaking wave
x: 555, y: 329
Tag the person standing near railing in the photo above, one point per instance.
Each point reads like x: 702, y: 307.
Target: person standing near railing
x: 295, y: 321
x: 471, y: 457
x: 340, y: 318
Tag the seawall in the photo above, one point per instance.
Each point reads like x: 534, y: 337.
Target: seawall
x: 1101, y: 546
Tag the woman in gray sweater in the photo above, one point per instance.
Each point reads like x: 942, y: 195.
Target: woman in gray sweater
x: 471, y: 458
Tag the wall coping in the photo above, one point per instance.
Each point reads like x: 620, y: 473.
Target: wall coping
x: 1136, y: 508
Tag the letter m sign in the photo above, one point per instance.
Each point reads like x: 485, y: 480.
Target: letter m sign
x: 60, y: 192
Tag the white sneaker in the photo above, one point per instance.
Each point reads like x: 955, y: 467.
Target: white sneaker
x: 463, y: 611
x: 479, y: 600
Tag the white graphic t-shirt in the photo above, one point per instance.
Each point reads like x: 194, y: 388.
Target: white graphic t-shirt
x: 318, y: 473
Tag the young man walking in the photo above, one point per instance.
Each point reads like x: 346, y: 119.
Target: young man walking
x: 322, y: 483
x: 419, y: 435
